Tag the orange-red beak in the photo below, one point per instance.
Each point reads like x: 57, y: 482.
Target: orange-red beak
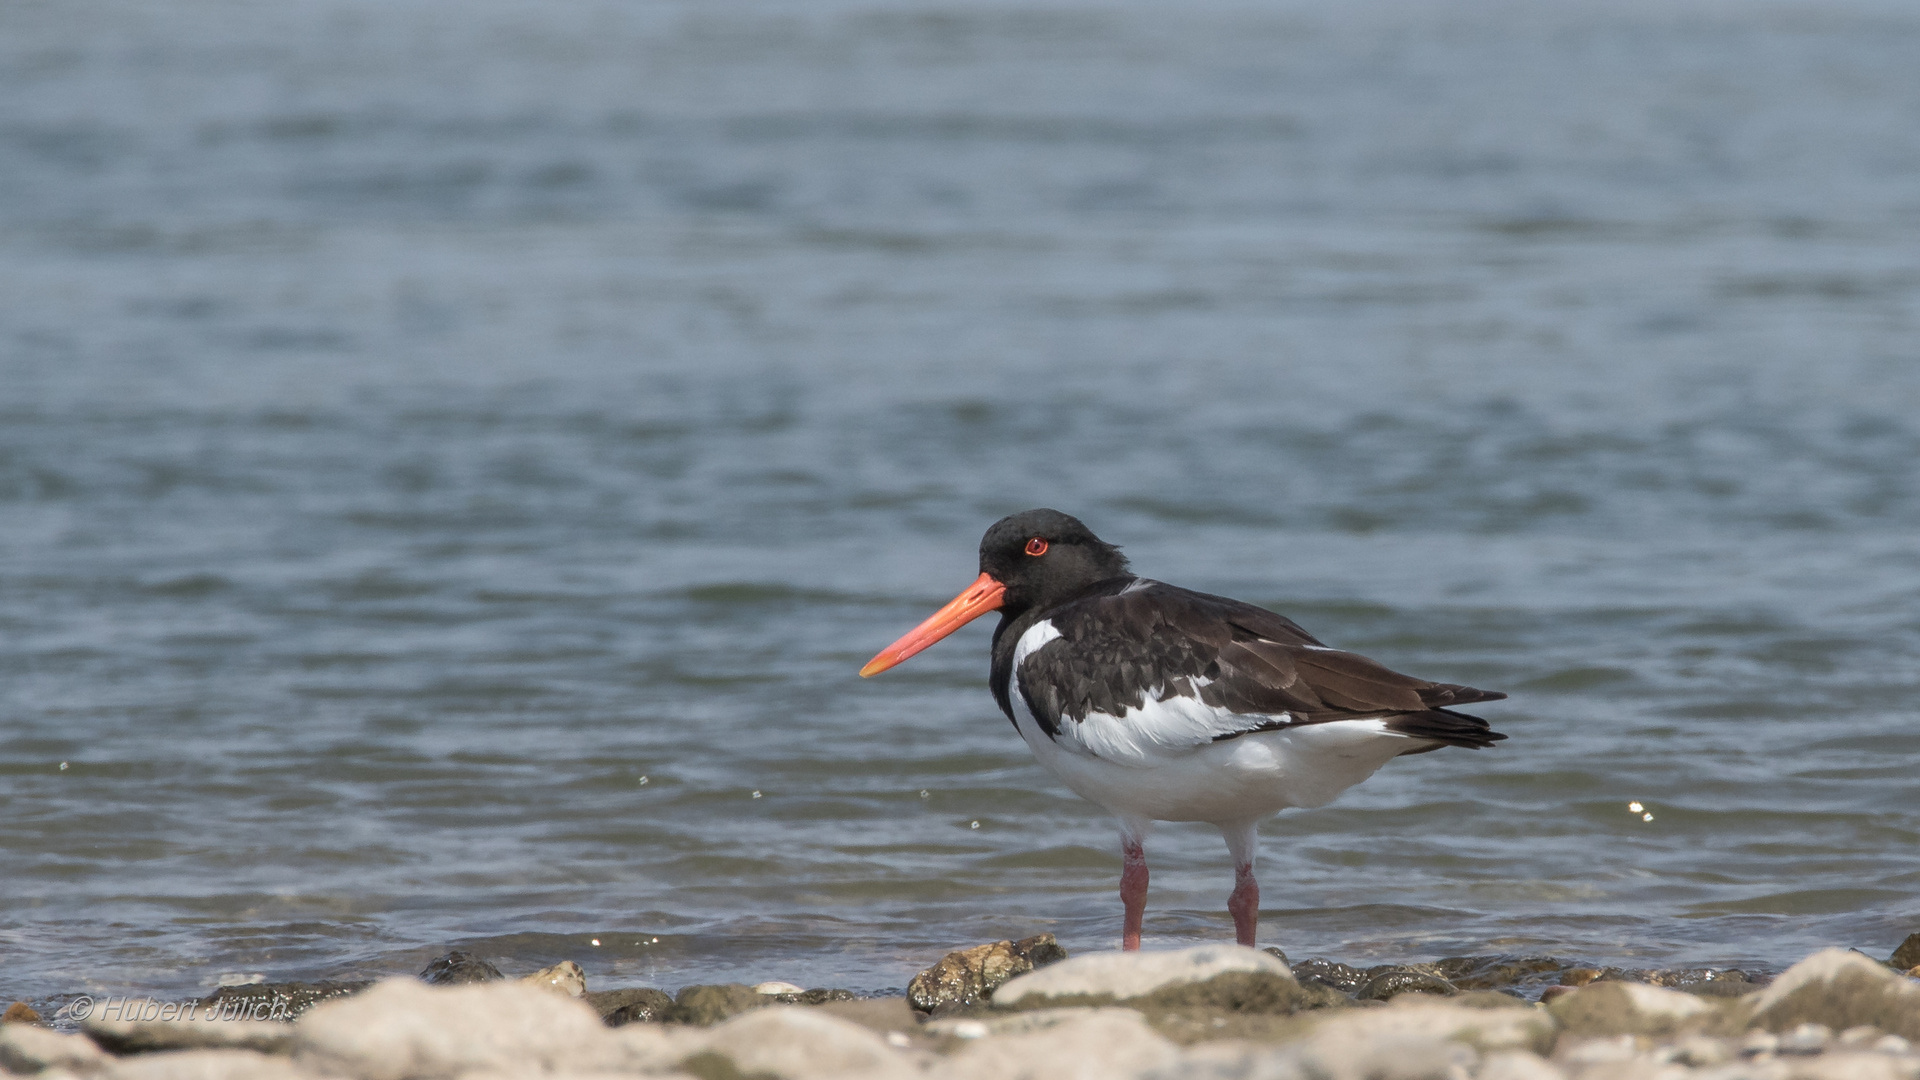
x: 982, y: 596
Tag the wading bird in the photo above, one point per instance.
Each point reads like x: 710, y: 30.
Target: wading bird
x: 1163, y: 704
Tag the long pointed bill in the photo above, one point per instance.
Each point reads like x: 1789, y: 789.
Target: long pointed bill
x: 981, y: 597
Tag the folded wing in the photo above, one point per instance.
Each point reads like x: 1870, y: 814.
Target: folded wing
x: 1142, y: 667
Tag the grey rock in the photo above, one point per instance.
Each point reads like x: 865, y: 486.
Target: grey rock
x: 1840, y: 989
x: 633, y: 1005
x: 1103, y: 1045
x: 1854, y: 1066
x: 1517, y: 1065
x: 204, y: 1065
x: 1262, y: 992
x: 1122, y: 975
x: 25, y: 1048
x: 1699, y: 1051
x: 1019, y: 1023
x: 1376, y: 1055
x: 710, y: 1004
x: 402, y: 1029
x: 1628, y: 1008
x: 273, y: 1001
x: 800, y: 1044
x: 458, y: 967
x: 1486, y: 1021
x: 152, y: 1036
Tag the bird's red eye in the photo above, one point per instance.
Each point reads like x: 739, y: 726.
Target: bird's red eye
x: 1036, y: 546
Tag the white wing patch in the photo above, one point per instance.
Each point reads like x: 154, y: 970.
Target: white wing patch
x: 1157, y: 728
x: 1037, y: 636
x: 1163, y: 726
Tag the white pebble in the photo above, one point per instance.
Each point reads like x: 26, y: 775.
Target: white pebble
x: 1758, y: 1043
x: 1806, y: 1039
x: 1855, y: 1037
x: 1697, y: 1051
x: 899, y: 1039
x: 1893, y: 1044
x: 777, y: 987
x: 970, y: 1029
x: 1602, y: 1051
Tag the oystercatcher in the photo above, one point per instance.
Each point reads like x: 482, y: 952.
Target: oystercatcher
x: 1163, y: 704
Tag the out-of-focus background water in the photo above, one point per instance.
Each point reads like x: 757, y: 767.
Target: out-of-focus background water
x: 454, y: 457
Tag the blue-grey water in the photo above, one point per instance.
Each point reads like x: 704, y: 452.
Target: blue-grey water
x: 455, y: 456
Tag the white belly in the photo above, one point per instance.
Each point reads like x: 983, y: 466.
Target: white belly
x: 1240, y: 780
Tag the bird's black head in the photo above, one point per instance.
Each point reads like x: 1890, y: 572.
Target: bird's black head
x: 1035, y: 559
x: 1045, y: 556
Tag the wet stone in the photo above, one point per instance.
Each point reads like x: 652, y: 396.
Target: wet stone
x: 1706, y: 982
x: 1330, y: 974
x: 1498, y: 972
x: 274, y: 1001
x: 632, y: 1005
x: 816, y: 996
x: 710, y: 1004
x: 967, y: 977
x: 1907, y: 956
x: 1382, y: 985
x: 20, y: 1013
x: 459, y: 967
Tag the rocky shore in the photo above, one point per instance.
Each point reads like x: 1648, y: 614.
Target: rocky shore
x: 1023, y: 1009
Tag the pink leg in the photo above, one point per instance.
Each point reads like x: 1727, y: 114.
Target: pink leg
x: 1244, y: 903
x: 1133, y: 891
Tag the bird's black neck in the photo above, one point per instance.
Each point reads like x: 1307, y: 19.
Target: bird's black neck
x: 1014, y: 624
